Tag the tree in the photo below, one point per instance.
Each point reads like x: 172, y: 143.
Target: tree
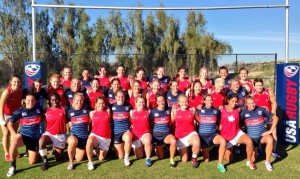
x: 14, y: 35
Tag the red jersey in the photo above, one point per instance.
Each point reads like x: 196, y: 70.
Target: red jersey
x: 195, y: 101
x: 219, y: 99
x: 13, y: 101
x: 124, y: 83
x: 101, y: 124
x: 207, y: 85
x: 184, y: 123
x: 104, y: 81
x: 248, y: 83
x: 143, y: 84
x: 183, y: 85
x: 60, y: 91
x: 56, y: 120
x: 140, y: 123
x: 230, y: 123
x: 93, y: 96
x: 152, y: 100
x: 65, y: 82
x: 132, y: 101
x: 263, y: 99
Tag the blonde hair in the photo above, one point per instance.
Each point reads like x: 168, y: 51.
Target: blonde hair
x: 219, y: 81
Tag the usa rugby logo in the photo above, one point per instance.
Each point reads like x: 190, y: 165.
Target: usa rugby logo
x: 32, y: 69
x: 290, y: 70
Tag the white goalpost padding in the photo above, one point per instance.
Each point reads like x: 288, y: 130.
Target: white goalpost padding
x: 286, y: 6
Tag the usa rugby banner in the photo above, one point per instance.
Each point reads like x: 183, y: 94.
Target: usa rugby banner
x: 287, y: 96
x: 32, y: 71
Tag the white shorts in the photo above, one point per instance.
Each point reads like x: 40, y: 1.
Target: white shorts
x: 58, y: 140
x: 138, y: 143
x: 184, y: 142
x: 6, y: 118
x: 103, y: 143
x: 233, y: 141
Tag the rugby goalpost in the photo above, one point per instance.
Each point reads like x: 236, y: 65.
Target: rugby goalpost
x: 286, y: 6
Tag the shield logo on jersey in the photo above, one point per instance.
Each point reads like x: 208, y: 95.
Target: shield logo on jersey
x: 72, y: 114
x: 215, y: 112
x: 247, y: 115
x: 290, y: 70
x: 24, y: 114
x: 32, y: 69
x: 156, y: 114
x: 126, y: 108
x: 113, y: 108
x: 168, y: 112
x: 84, y: 111
x: 259, y: 112
x: 38, y: 111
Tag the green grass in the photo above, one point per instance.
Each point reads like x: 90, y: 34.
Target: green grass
x: 288, y: 166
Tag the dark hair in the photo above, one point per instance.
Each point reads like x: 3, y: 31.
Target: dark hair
x: 15, y: 76
x: 229, y: 97
x: 223, y: 68
x: 139, y: 69
x: 206, y: 95
x: 256, y: 80
x: 56, y: 96
x: 101, y: 66
x: 100, y: 98
x: 120, y: 66
x: 95, y: 79
x: 243, y: 69
x: 115, y: 79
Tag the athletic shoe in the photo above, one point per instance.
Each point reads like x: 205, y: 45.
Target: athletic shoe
x: 25, y: 154
x: 275, y: 155
x: 269, y: 166
x: 11, y: 171
x: 251, y: 165
x: 173, y: 164
x: 148, y: 162
x: 7, y: 157
x: 90, y: 165
x: 195, y: 163
x: 70, y: 166
x: 126, y: 162
x: 44, y: 166
x: 221, y: 168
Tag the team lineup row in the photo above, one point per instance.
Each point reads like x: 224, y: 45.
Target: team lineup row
x: 141, y: 118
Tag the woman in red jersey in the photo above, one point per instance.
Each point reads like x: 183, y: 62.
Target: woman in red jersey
x: 100, y: 136
x: 10, y: 101
x: 264, y: 97
x: 230, y: 130
x: 124, y: 80
x: 135, y: 92
x: 140, y: 76
x: 150, y: 96
x: 139, y: 119
x: 95, y: 92
x: 55, y: 131
x: 206, y: 83
x: 184, y: 82
x: 103, y: 78
x: 218, y: 94
x: 66, y: 77
x: 56, y: 87
x: 184, y: 118
x: 195, y: 95
x: 244, y: 81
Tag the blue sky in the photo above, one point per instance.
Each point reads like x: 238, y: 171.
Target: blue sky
x: 247, y: 30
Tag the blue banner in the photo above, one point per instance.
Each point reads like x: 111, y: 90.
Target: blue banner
x: 287, y: 96
x: 32, y: 71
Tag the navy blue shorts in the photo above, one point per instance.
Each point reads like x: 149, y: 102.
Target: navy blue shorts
x: 31, y: 144
x: 118, y: 138
x: 207, y: 139
x: 256, y: 141
x: 159, y: 137
x: 81, y: 142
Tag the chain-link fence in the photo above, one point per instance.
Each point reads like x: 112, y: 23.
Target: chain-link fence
x: 259, y: 65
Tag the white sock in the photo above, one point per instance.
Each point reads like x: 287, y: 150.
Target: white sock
x: 43, y: 152
x: 126, y: 156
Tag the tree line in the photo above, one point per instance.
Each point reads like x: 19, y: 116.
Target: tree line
x: 66, y: 37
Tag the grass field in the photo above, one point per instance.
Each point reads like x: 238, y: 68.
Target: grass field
x: 288, y: 166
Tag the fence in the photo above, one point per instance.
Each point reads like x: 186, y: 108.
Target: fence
x: 259, y: 65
